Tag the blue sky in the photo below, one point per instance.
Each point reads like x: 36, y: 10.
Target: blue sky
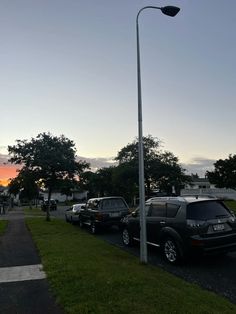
x: 69, y: 67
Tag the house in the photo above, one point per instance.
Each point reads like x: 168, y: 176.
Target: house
x: 75, y: 196
x: 202, y: 186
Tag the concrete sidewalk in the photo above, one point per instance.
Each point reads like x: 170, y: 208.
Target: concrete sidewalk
x: 23, y: 285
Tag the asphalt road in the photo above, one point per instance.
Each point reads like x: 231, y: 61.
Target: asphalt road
x: 213, y: 273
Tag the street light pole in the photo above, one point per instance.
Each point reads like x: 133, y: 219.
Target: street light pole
x: 170, y: 11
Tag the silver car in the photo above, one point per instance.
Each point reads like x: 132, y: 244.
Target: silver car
x: 72, y: 213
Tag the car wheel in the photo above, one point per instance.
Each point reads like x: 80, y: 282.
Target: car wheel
x: 127, y: 238
x: 93, y: 228
x: 171, y: 251
x: 67, y: 220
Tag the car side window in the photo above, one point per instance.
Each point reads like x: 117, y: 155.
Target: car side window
x: 158, y: 209
x: 172, y: 210
x: 137, y: 211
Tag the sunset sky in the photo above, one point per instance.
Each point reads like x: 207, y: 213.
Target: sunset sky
x: 69, y: 67
x: 7, y: 172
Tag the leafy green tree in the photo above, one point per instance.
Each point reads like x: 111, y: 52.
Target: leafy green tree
x: 50, y: 158
x: 162, y: 170
x: 88, y: 182
x: 99, y: 183
x: 125, y: 181
x: 104, y: 181
x: 66, y: 187
x: 25, y: 184
x: 224, y: 174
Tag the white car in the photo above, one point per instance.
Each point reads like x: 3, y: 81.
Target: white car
x: 72, y: 213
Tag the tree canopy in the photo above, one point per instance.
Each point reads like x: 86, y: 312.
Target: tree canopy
x: 161, y: 169
x: 25, y: 184
x: 162, y: 172
x: 224, y: 174
x: 49, y: 158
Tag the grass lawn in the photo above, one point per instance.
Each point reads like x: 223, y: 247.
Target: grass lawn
x: 34, y: 211
x: 87, y: 275
x: 3, y: 226
x: 231, y: 205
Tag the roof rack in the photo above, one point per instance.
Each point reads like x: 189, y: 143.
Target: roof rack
x: 197, y: 196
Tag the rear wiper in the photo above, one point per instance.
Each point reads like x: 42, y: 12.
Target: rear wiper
x: 221, y: 216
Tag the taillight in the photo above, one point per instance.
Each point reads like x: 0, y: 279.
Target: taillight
x: 196, y: 242
x: 99, y: 216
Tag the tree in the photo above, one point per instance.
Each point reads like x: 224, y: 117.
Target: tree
x: 99, y: 183
x: 224, y: 174
x: 66, y: 187
x: 25, y: 184
x: 125, y: 181
x: 88, y: 182
x: 162, y: 170
x: 51, y: 159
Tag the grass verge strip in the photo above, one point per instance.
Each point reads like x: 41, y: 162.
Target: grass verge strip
x: 88, y: 275
x: 34, y: 211
x: 3, y: 226
x: 231, y: 205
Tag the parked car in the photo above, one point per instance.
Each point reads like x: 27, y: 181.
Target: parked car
x: 52, y: 205
x: 72, y: 213
x: 184, y: 225
x: 103, y: 212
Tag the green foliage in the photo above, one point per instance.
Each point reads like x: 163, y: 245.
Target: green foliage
x: 25, y: 184
x: 224, y: 174
x: 161, y: 169
x: 88, y: 275
x: 3, y: 226
x: 33, y: 211
x: 51, y: 159
x: 129, y: 153
x: 89, y: 181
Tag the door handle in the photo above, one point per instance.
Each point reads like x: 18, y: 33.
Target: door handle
x: 162, y: 222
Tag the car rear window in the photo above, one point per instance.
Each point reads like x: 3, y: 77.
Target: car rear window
x: 113, y: 204
x: 206, y: 210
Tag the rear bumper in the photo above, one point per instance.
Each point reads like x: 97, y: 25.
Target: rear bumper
x: 223, y: 243
x: 107, y: 223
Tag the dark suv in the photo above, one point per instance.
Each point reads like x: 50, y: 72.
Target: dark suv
x: 180, y: 225
x: 103, y: 212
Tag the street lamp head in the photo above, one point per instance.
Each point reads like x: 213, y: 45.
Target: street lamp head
x: 170, y: 10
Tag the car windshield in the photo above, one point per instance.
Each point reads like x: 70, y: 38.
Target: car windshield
x: 113, y: 204
x: 206, y: 210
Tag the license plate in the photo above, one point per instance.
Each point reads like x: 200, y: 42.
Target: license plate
x: 114, y: 214
x: 218, y: 227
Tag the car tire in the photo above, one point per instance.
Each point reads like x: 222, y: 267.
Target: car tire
x: 171, y: 251
x: 67, y: 220
x: 127, y: 238
x: 81, y: 223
